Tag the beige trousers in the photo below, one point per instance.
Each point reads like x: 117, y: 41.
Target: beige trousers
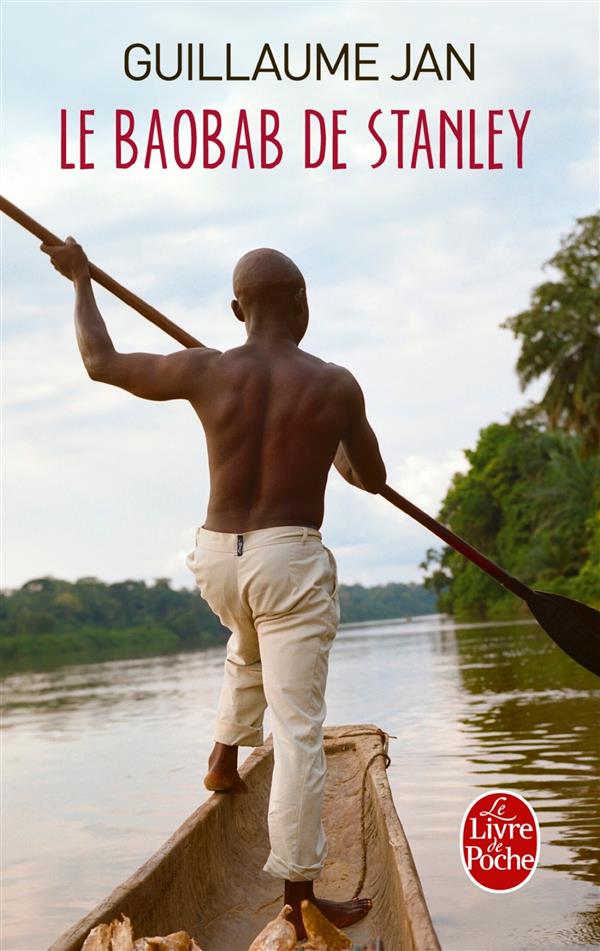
x: 276, y: 590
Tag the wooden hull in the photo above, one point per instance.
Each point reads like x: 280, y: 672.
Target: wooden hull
x: 207, y: 879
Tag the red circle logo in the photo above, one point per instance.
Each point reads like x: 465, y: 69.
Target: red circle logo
x: 500, y: 841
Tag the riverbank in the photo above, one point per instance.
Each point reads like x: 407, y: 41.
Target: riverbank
x: 49, y: 622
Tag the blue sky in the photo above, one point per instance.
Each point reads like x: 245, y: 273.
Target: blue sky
x: 409, y: 273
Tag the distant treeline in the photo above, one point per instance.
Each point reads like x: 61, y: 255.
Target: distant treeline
x: 530, y: 499
x: 48, y: 620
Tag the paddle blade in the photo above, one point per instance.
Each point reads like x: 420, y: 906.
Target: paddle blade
x: 575, y: 627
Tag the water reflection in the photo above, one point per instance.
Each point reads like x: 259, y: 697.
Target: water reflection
x: 102, y: 688
x: 103, y: 761
x: 533, y: 718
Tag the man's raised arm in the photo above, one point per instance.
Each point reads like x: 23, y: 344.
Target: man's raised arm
x: 148, y: 375
x: 358, y: 458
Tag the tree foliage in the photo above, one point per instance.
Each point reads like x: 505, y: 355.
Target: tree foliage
x: 384, y: 601
x: 531, y: 497
x: 530, y: 501
x: 560, y: 336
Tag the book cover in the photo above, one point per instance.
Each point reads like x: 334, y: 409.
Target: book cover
x: 430, y: 171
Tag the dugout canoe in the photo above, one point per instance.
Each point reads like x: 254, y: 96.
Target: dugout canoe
x: 207, y: 879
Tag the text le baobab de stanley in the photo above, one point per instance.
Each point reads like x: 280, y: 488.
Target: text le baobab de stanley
x: 206, y: 133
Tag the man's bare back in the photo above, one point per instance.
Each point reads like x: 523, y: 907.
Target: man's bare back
x: 274, y: 416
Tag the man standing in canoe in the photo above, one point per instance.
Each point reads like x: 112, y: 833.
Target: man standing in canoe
x: 275, y: 418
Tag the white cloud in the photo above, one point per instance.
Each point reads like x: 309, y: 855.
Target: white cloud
x: 583, y: 172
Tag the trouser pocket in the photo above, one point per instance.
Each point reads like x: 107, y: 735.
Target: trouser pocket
x: 211, y: 570
x: 334, y: 592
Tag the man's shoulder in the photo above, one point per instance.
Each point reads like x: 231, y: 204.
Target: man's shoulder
x: 202, y: 354
x: 342, y: 376
x: 333, y: 370
x: 335, y: 377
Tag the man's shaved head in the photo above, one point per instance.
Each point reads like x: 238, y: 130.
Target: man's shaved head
x: 270, y: 295
x: 264, y: 272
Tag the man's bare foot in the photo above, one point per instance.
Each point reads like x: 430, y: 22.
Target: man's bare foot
x: 342, y: 914
x: 223, y: 773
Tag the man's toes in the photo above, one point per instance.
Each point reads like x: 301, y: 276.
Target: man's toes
x: 356, y: 903
x: 359, y: 907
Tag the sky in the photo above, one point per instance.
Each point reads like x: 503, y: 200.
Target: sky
x: 409, y: 271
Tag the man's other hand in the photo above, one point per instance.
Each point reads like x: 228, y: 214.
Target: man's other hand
x: 68, y: 259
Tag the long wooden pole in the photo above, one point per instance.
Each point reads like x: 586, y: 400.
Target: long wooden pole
x: 459, y: 544
x: 102, y: 278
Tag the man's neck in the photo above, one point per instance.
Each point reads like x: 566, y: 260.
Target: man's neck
x: 265, y: 328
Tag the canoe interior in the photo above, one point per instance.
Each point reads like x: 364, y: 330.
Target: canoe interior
x: 207, y: 879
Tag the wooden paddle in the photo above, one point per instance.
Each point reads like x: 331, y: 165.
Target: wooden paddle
x: 575, y: 627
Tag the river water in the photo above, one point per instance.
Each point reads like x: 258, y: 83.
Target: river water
x: 101, y: 762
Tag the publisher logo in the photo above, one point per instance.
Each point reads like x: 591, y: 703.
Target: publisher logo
x: 499, y: 841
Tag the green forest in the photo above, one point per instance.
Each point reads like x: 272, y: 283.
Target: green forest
x: 49, y: 621
x: 530, y: 499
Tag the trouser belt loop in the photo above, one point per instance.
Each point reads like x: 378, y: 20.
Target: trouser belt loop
x: 240, y: 545
x: 304, y: 534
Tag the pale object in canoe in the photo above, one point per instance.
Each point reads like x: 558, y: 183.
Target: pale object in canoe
x: 207, y: 879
